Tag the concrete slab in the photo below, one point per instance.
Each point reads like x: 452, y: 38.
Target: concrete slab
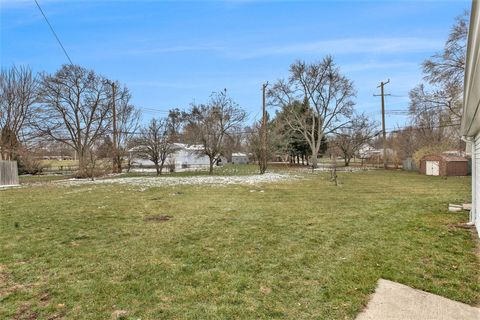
x: 395, y: 301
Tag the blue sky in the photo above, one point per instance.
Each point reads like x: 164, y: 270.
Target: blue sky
x: 171, y: 53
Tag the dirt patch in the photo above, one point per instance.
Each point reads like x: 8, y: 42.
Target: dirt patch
x: 462, y: 226
x: 157, y: 218
x: 57, y: 316
x: 265, y: 290
x: 25, y: 312
x: 7, y: 286
x: 44, y: 299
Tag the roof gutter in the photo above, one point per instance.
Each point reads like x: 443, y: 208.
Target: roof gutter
x: 471, y: 99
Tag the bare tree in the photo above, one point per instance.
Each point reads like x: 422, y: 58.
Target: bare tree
x: 17, y: 96
x: 253, y: 142
x: 74, y: 110
x: 404, y: 142
x: 176, y: 123
x: 127, y: 122
x: 432, y: 122
x: 155, y: 143
x: 209, y: 124
x: 350, y: 139
x: 436, y: 106
x: 449, y: 65
x: 326, y: 97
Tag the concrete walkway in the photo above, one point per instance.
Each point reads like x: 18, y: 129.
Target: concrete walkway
x: 394, y: 301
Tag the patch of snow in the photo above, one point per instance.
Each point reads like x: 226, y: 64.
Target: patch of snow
x: 9, y: 186
x: 147, y: 182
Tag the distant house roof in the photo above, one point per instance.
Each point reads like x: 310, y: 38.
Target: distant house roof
x: 459, y: 153
x: 191, y: 147
x: 184, y: 146
x: 238, y: 154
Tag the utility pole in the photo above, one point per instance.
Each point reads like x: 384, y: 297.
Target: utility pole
x: 382, y: 94
x: 116, y: 164
x: 263, y: 158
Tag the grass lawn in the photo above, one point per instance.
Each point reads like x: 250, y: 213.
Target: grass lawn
x: 302, y: 249
x: 28, y: 179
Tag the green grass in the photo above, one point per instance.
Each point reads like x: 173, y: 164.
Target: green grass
x: 29, y: 179
x: 303, y: 249
x: 59, y: 163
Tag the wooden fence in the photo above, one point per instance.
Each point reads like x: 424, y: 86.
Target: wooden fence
x: 8, y: 173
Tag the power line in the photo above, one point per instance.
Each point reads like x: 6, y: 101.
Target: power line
x: 148, y: 110
x: 424, y: 127
x: 53, y: 31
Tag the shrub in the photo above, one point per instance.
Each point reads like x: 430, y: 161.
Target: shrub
x: 29, y: 164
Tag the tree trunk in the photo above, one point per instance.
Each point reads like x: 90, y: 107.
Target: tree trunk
x: 314, y: 161
x: 117, y: 164
x: 92, y: 169
x: 162, y: 163
x: 347, y: 161
x: 157, y: 167
x: 210, y: 171
x: 82, y: 164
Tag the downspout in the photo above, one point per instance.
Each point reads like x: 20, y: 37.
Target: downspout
x: 468, y: 141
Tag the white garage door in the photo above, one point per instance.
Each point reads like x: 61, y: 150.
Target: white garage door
x: 432, y: 168
x: 476, y: 181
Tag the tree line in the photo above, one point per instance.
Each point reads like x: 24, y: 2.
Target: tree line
x: 93, y: 116
x: 315, y: 112
x: 435, y: 107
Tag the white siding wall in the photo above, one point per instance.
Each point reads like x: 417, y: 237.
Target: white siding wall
x: 189, y: 158
x: 471, y: 113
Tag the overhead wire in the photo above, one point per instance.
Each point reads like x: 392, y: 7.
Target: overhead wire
x: 53, y: 31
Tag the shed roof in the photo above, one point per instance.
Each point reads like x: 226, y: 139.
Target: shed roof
x: 445, y: 157
x: 238, y: 154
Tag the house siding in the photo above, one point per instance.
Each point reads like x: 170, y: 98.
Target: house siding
x: 470, y: 126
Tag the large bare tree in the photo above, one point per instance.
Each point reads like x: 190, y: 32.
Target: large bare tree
x: 74, y: 109
x: 18, y: 89
x: 350, y: 139
x: 209, y: 124
x: 155, y: 143
x: 436, y: 105
x: 326, y: 97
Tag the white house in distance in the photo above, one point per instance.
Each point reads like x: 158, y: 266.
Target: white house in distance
x: 184, y: 157
x: 366, y: 151
x: 470, y: 128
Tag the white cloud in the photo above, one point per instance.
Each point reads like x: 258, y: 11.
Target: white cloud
x: 393, y: 45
